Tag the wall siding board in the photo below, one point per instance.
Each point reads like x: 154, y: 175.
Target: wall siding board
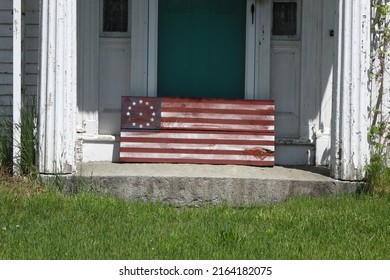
x: 32, y: 17
x: 6, y: 100
x: 5, y: 17
x: 6, y: 78
x: 32, y: 5
x: 32, y: 30
x: 31, y: 56
x: 6, y: 30
x: 31, y: 45
x: 6, y: 5
x: 5, y: 110
x: 5, y: 56
x: 5, y: 89
x: 31, y: 79
x: 6, y: 70
x: 5, y: 43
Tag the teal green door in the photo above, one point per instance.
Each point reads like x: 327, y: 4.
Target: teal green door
x: 201, y: 48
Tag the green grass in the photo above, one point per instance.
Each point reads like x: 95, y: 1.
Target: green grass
x: 40, y: 224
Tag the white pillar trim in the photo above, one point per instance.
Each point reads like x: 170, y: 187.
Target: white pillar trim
x: 57, y: 87
x: 17, y: 81
x: 350, y: 122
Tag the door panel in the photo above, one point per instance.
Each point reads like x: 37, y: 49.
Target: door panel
x: 114, y: 62
x: 114, y: 76
x: 285, y: 90
x: 201, y: 48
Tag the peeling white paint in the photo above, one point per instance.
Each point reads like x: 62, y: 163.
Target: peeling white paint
x: 57, y: 88
x: 349, y: 153
x: 17, y: 82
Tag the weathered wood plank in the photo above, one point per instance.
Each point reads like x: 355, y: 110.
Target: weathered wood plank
x: 186, y: 130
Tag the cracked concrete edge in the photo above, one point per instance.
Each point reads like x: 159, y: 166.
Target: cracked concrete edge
x: 184, y: 191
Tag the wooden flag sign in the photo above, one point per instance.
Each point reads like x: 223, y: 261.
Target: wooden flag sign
x: 189, y: 130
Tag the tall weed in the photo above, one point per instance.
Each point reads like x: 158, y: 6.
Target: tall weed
x: 28, y: 141
x: 378, y: 175
x: 6, y: 143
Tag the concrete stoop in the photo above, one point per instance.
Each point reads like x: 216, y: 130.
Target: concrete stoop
x: 193, y: 185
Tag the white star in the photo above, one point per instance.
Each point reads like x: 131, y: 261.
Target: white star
x: 151, y: 107
x: 141, y: 101
x: 128, y: 114
x: 141, y: 126
x: 148, y: 124
x: 153, y: 114
x: 141, y: 114
x: 134, y: 103
x: 134, y: 124
x: 146, y: 103
x: 152, y: 119
x: 129, y: 108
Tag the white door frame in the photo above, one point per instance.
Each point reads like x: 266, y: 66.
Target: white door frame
x: 255, y: 88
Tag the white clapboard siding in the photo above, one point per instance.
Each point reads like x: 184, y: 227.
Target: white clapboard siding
x: 5, y: 58
x: 5, y: 4
x: 31, y: 45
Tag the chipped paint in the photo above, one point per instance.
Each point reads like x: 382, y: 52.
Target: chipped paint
x: 58, y: 87
x: 17, y: 82
x: 350, y: 94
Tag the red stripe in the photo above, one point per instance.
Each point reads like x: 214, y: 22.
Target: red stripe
x: 217, y: 121
x: 208, y: 115
x: 266, y: 112
x: 256, y: 152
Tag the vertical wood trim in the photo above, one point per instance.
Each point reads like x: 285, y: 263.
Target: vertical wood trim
x: 17, y: 82
x: 152, y: 48
x: 310, y: 69
x: 139, y: 47
x: 88, y: 66
x: 263, y: 50
x: 250, y: 56
x: 57, y: 87
x: 328, y: 19
x: 350, y: 96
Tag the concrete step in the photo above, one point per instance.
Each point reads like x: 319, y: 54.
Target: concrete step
x: 192, y: 184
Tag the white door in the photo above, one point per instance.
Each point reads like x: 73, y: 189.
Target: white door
x: 114, y: 62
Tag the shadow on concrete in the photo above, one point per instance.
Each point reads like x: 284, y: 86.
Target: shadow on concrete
x: 320, y: 170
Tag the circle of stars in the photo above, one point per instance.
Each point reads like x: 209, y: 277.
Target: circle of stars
x: 141, y: 114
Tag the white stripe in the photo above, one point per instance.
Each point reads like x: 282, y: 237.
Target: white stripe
x: 225, y: 127
x: 204, y: 105
x: 214, y: 136
x: 216, y: 116
x: 194, y: 156
x: 213, y: 147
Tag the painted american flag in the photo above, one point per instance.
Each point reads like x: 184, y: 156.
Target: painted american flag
x: 190, y: 130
